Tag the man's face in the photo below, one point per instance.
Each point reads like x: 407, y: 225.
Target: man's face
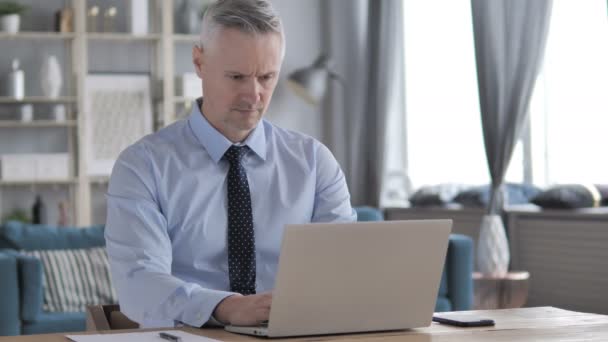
x: 239, y: 72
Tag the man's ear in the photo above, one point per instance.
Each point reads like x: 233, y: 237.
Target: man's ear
x: 197, y: 60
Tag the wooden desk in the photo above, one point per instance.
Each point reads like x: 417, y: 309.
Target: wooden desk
x: 525, y: 324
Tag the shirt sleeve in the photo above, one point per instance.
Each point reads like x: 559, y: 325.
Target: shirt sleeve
x: 332, y: 199
x: 140, y: 251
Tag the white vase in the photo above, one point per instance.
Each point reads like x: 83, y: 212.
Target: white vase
x: 10, y: 23
x: 50, y: 77
x: 492, y: 247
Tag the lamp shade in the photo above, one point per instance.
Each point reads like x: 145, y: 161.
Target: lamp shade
x: 310, y: 83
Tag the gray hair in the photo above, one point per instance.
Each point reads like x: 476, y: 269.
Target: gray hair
x: 250, y: 16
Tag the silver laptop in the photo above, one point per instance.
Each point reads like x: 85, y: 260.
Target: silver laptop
x: 355, y: 277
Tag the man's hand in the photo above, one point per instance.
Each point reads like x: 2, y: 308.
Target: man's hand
x: 244, y: 310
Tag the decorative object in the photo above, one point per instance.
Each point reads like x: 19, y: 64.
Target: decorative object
x: 492, y: 247
x: 26, y: 112
x: 138, y: 14
x: 310, y: 82
x: 63, y: 217
x: 190, y: 16
x: 93, y: 19
x: 38, y: 211
x: 59, y: 113
x: 109, y: 19
x: 10, y: 18
x: 64, y: 20
x: 51, y: 77
x: 118, y: 112
x: 15, y: 86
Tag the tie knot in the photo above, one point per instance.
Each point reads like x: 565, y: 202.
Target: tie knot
x: 235, y: 153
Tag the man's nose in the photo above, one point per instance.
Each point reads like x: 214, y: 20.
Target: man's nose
x: 251, y: 91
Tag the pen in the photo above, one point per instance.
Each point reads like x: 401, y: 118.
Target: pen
x: 169, y: 337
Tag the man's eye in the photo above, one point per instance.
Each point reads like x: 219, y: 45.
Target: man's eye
x: 236, y: 77
x: 266, y: 77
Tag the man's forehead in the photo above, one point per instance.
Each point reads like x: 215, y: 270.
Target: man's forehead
x: 261, y: 56
x: 233, y: 40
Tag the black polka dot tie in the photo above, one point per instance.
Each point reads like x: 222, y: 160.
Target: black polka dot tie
x: 241, y: 238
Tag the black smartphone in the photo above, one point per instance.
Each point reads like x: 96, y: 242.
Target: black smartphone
x: 463, y: 321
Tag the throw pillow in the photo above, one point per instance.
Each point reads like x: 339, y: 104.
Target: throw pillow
x: 603, y: 189
x: 75, y: 278
x: 571, y: 196
x: 435, y: 195
x: 479, y: 197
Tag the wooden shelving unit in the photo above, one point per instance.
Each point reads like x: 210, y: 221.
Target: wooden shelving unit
x: 37, y: 100
x: 123, y: 37
x: 162, y: 39
x: 186, y: 38
x: 37, y: 36
x: 37, y: 124
x: 71, y: 181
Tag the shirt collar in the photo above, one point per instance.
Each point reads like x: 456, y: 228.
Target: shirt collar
x: 215, y: 142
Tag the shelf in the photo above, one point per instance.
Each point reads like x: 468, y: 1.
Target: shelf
x: 36, y: 123
x: 99, y: 179
x: 186, y: 38
x: 38, y: 182
x: 37, y: 35
x: 122, y: 37
x: 37, y: 99
x: 183, y: 100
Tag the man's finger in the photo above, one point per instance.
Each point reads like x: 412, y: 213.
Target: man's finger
x: 266, y: 302
x: 262, y: 314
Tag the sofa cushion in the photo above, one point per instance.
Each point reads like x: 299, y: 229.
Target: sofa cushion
x: 9, y: 295
x: 572, y: 196
x: 56, y: 322
x: 30, y: 283
x: 25, y: 236
x: 368, y: 214
x: 75, y: 278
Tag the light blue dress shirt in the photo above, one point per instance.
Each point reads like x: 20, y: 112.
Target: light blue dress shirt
x: 166, y: 230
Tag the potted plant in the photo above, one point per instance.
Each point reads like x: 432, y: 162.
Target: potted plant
x: 10, y: 16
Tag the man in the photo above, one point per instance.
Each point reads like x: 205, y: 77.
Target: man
x: 196, y: 211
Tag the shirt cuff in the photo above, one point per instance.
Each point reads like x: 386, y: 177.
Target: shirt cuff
x: 214, y: 322
x: 199, y: 309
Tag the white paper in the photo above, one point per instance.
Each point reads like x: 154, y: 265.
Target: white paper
x: 139, y: 336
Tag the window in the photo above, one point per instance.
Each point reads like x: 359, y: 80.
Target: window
x: 569, y: 107
x: 444, y: 134
x: 568, y: 110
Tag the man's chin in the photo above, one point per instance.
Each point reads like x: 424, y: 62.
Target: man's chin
x: 249, y: 124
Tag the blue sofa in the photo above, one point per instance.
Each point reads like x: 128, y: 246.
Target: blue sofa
x: 21, y: 282
x: 21, y: 311
x: 456, y: 288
